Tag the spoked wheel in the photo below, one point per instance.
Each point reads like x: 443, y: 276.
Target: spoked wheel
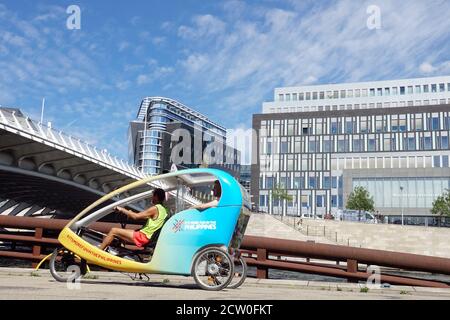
x: 65, y: 264
x: 239, y: 274
x: 213, y: 269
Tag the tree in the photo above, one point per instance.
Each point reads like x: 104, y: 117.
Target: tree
x: 279, y: 193
x: 360, y: 200
x: 441, y: 206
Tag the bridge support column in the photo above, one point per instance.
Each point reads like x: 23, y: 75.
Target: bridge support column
x: 352, y: 267
x: 261, y: 272
x: 37, y: 248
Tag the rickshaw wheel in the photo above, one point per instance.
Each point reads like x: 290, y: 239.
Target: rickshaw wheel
x: 63, y: 265
x: 213, y: 269
x: 239, y: 273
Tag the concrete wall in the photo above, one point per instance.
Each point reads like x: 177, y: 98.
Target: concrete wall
x: 410, y: 239
x: 264, y: 225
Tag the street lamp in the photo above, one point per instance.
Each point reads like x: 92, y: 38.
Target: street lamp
x: 401, y: 199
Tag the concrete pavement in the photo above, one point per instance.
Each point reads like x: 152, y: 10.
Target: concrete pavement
x: 20, y: 284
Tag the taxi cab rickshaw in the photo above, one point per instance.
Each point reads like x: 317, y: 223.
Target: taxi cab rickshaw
x: 199, y: 243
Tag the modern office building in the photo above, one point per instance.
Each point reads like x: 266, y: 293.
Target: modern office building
x: 156, y: 120
x: 245, y: 176
x: 319, y: 142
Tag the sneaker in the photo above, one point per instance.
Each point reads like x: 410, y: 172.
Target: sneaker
x: 112, y: 251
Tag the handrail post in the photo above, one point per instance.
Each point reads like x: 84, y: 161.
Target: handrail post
x: 261, y: 272
x: 37, y: 248
x: 352, y: 267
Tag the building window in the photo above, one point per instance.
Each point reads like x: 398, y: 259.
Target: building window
x: 356, y: 145
x: 435, y: 124
x: 314, y: 95
x: 402, y: 90
x: 433, y: 88
x: 426, y: 88
x: 372, y: 92
x: 411, y: 143
x: 444, y: 142
x: 364, y: 93
x: 326, y: 183
x: 312, y: 182
x: 427, y: 143
x: 358, y: 92
x: 445, y: 161
x: 334, y: 128
x: 302, y: 96
x: 387, y: 91
x: 312, y: 146
x: 442, y: 87
x: 327, y: 146
x: 319, y: 201
x: 448, y: 87
x: 350, y: 93
x: 410, y: 89
x: 334, y: 203
x: 387, y: 143
x: 269, y: 148
x: 418, y: 123
x: 371, y: 144
x: 322, y: 95
x: 294, y: 97
x: 284, y: 147
x: 288, y: 97
x: 394, y: 91
x: 349, y: 126
x: 334, y: 183
x: 436, y: 161
x: 418, y: 89
x: 379, y: 92
x: 336, y: 94
x: 269, y: 183
x: 281, y: 97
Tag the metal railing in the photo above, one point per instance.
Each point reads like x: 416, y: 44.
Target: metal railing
x: 317, y: 231
x: 41, y: 239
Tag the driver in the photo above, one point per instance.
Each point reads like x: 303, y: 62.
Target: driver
x: 155, y: 216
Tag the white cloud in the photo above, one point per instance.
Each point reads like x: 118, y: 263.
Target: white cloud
x: 123, y: 85
x: 204, y: 26
x: 123, y: 45
x: 143, y: 79
x: 427, y: 67
x: 155, y: 74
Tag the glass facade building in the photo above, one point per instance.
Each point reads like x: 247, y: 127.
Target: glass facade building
x: 146, y: 132
x: 397, y: 149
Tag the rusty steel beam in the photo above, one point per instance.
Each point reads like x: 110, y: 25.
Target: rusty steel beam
x: 342, y: 253
x: 52, y: 224
x: 21, y: 255
x: 29, y: 239
x: 339, y: 273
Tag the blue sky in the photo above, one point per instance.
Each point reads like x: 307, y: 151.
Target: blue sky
x: 223, y: 58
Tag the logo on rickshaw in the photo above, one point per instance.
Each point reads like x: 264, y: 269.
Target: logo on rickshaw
x: 181, y: 225
x: 177, y: 225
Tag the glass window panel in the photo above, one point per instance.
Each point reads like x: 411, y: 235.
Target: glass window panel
x: 387, y: 193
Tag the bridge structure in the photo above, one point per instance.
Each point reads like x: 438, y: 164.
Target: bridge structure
x: 45, y: 172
